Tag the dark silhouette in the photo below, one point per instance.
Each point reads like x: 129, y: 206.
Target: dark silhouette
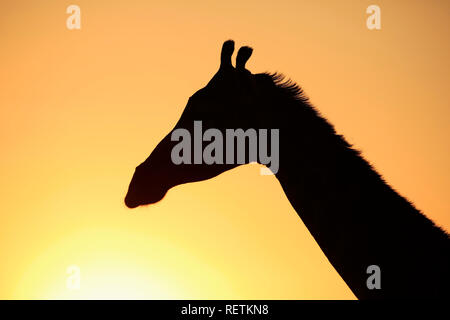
x: 357, y: 219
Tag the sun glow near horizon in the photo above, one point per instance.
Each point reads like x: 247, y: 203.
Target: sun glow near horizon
x: 109, y: 270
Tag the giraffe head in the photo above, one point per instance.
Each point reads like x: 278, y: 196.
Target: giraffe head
x: 233, y: 98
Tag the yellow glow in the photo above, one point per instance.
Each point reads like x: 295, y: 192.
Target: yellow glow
x: 111, y: 269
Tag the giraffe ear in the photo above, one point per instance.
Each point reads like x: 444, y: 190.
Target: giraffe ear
x: 227, y: 52
x: 242, y: 57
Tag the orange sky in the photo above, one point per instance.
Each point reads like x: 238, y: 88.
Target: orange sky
x: 74, y: 106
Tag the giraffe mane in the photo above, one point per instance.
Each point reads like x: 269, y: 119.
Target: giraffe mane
x: 288, y: 86
x: 292, y: 90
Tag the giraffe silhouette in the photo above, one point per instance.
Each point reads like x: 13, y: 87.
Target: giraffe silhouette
x: 357, y: 219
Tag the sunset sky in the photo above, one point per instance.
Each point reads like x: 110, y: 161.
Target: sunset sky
x: 80, y: 109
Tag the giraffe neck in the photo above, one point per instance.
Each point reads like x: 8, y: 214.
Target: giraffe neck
x: 356, y: 218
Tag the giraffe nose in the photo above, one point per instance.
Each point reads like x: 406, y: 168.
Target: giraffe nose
x: 130, y: 202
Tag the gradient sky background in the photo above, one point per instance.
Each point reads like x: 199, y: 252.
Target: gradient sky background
x: 79, y: 110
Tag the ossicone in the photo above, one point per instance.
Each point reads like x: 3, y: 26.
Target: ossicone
x: 243, y: 55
